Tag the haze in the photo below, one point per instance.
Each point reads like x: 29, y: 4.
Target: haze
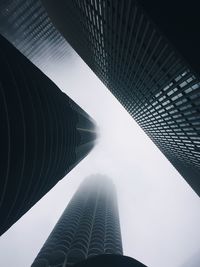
x: 159, y: 212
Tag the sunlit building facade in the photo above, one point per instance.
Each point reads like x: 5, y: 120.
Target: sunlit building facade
x: 44, y: 134
x: 89, y: 226
x: 159, y: 87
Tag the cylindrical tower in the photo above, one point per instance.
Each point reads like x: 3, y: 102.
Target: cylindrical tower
x: 44, y: 134
x: 88, y: 227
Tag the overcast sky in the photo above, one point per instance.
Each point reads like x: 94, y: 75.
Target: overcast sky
x: 159, y: 212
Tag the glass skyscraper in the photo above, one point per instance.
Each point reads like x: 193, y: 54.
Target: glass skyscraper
x: 26, y: 24
x: 155, y: 80
x: 149, y: 63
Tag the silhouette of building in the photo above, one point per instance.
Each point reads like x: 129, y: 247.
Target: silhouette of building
x: 89, y: 226
x: 109, y: 260
x: 44, y: 134
x: 151, y: 68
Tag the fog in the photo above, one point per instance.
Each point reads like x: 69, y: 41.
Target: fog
x: 159, y: 212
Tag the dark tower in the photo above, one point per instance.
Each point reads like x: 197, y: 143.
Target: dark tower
x: 88, y: 227
x: 44, y: 134
x: 154, y: 74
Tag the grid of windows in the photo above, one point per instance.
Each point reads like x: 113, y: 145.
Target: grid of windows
x: 129, y: 54
x: 172, y: 119
x: 27, y: 26
x: 142, y: 69
x: 89, y: 226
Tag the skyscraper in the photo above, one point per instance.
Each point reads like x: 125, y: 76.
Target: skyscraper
x: 109, y: 260
x: 151, y: 72
x: 44, y: 134
x: 26, y: 24
x: 89, y: 226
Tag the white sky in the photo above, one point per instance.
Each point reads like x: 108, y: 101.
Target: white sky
x: 159, y: 213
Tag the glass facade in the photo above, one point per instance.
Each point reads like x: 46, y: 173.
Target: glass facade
x: 27, y: 26
x: 127, y: 51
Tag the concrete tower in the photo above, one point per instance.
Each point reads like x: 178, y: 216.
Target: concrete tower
x: 44, y: 134
x: 89, y: 226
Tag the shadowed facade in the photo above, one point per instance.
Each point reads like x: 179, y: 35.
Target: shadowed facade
x: 110, y: 260
x: 154, y: 75
x: 89, y: 226
x: 44, y: 134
